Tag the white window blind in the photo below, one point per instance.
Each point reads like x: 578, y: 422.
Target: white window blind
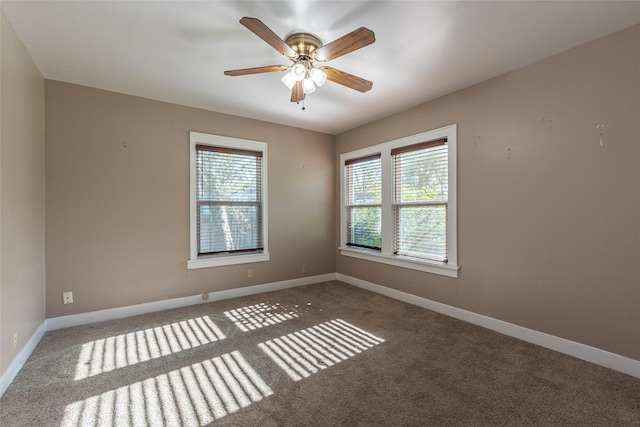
x: 420, y: 188
x: 229, y: 200
x: 363, y: 202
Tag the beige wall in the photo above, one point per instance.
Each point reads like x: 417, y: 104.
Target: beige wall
x: 22, y: 251
x: 549, y: 218
x: 118, y: 200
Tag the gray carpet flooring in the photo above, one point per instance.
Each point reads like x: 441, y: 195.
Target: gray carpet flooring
x: 327, y: 354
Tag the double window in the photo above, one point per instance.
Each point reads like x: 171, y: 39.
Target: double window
x: 228, y: 201
x: 399, y: 202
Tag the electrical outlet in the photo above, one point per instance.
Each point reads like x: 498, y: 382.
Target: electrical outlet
x: 15, y: 339
x: 67, y: 297
x: 250, y: 272
x: 304, y: 268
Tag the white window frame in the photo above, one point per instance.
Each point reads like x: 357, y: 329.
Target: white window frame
x: 386, y: 255
x: 195, y: 261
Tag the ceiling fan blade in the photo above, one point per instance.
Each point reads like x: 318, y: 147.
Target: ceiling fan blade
x: 297, y: 94
x: 257, y: 27
x: 348, y: 43
x: 255, y: 70
x: 346, y: 79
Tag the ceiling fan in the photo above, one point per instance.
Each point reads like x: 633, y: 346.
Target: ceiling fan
x: 305, y: 51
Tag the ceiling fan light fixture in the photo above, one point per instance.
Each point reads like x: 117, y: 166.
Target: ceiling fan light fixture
x: 318, y: 76
x: 299, y: 71
x: 308, y: 86
x: 289, y: 80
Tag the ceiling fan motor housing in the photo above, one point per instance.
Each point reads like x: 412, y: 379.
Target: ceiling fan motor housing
x: 304, y: 44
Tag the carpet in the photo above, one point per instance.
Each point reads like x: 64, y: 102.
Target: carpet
x: 327, y: 354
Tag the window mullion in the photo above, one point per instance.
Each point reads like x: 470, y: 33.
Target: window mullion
x: 387, y: 202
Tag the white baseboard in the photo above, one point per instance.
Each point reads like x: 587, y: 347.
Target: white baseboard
x: 580, y: 351
x: 150, y: 307
x: 18, y: 362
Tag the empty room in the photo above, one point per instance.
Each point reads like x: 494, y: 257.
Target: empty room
x: 319, y: 213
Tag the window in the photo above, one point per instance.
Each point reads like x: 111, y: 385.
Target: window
x: 399, y: 202
x: 228, y: 201
x: 420, y: 193
x: 364, y: 202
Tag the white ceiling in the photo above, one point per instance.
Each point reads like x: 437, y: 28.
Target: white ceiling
x: 177, y: 51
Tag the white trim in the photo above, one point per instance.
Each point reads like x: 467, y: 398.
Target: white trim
x: 386, y: 255
x: 400, y: 261
x: 219, y: 260
x: 18, y: 362
x: 214, y: 261
x: 150, y: 307
x: 571, y: 348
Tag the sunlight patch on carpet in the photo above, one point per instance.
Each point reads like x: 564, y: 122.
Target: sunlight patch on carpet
x: 116, y: 352
x: 303, y: 353
x: 194, y: 395
x: 260, y: 315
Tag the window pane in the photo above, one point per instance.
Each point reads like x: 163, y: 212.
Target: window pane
x: 224, y: 176
x: 422, y: 232
x: 224, y: 228
x: 364, y: 227
x: 364, y: 181
x: 422, y: 175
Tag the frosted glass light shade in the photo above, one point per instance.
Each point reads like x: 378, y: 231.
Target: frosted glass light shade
x: 289, y: 80
x: 318, y: 76
x: 299, y: 71
x: 308, y: 86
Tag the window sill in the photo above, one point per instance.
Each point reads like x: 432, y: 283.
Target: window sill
x: 404, y: 262
x: 220, y: 260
